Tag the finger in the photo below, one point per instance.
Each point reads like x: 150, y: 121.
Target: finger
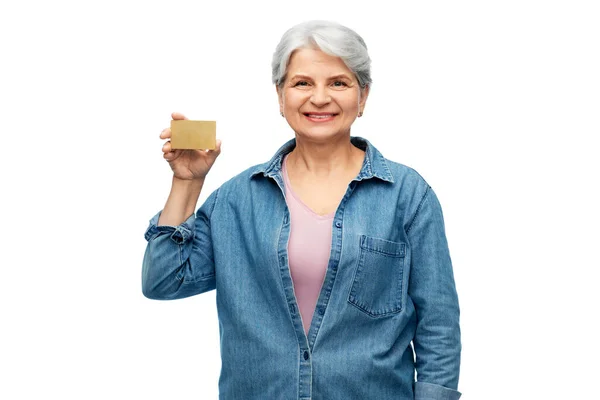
x: 217, y: 150
x: 167, y: 147
x: 177, y: 115
x: 171, y: 155
x: 165, y: 133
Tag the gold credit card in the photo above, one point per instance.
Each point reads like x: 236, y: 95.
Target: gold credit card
x: 186, y: 134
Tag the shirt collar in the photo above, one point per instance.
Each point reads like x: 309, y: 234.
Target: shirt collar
x: 374, y: 165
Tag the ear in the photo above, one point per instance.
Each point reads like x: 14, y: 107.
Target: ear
x: 280, y: 97
x: 364, y: 93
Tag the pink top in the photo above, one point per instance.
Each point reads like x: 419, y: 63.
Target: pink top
x: 308, y: 250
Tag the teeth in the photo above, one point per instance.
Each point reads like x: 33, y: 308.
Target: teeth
x: 320, y: 116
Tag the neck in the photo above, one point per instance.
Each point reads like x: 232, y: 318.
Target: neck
x: 325, y: 159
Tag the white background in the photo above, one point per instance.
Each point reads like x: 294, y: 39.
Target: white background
x: 496, y: 104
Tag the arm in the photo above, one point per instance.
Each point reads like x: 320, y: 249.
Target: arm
x: 181, y: 202
x: 179, y: 256
x: 179, y: 259
x: 431, y: 287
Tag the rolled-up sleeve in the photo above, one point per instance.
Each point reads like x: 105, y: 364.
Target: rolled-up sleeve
x: 179, y: 261
x: 428, y: 391
x: 437, y: 338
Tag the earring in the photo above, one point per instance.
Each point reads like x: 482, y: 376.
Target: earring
x: 281, y: 112
x: 360, y: 114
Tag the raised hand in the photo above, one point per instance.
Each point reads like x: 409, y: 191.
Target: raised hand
x: 188, y: 164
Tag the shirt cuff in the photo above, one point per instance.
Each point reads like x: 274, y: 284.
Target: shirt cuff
x: 179, y: 234
x: 429, y: 391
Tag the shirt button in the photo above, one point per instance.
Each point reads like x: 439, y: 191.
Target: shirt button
x: 306, y: 355
x: 321, y: 310
x: 338, y: 224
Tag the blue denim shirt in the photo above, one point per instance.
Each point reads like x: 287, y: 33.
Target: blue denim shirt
x: 388, y: 290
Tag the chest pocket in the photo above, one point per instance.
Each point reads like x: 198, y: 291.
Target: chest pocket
x: 377, y: 284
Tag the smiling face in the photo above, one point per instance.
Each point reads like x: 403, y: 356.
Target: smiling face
x: 320, y: 97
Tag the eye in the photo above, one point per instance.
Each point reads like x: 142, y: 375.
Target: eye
x: 339, y: 84
x: 301, y: 83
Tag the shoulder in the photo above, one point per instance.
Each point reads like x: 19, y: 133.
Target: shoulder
x: 400, y: 175
x: 409, y: 186
x: 240, y: 184
x: 235, y: 191
x: 406, y: 176
x: 259, y: 172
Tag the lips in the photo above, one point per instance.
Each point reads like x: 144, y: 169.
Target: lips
x: 320, y: 116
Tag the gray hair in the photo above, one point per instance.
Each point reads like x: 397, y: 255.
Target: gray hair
x: 329, y: 37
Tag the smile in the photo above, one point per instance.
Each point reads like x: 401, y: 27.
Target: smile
x: 320, y: 117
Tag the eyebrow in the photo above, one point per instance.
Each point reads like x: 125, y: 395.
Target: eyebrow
x: 339, y: 76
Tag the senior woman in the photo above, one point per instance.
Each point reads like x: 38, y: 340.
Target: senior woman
x: 330, y: 262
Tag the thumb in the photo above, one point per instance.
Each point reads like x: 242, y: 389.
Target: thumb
x: 178, y: 116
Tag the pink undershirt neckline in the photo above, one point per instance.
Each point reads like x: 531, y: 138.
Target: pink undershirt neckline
x: 297, y: 198
x: 309, y: 250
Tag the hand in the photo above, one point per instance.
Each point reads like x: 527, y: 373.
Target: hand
x: 188, y: 164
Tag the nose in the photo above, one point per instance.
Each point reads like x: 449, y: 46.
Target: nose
x: 320, y: 96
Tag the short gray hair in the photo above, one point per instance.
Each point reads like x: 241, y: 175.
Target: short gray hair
x: 329, y: 37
